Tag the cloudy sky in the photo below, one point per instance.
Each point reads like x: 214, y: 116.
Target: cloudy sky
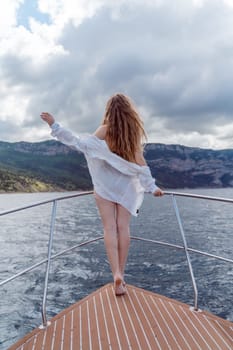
x: 174, y: 58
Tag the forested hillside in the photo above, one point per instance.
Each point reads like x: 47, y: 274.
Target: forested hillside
x: 49, y: 166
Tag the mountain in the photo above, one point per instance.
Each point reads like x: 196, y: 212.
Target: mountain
x: 42, y: 166
x: 50, y: 165
x: 176, y: 166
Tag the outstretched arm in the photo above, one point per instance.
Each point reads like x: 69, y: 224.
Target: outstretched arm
x: 48, y: 118
x: 63, y: 135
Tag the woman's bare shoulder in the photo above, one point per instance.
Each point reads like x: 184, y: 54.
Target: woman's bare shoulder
x: 101, y: 132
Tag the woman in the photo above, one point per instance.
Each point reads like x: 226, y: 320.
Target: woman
x: 119, y: 174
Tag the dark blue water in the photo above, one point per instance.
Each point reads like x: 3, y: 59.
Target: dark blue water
x: 24, y: 239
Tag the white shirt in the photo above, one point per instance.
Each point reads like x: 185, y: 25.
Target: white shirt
x: 113, y: 177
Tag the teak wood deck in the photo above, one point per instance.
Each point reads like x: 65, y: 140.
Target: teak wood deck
x: 137, y: 320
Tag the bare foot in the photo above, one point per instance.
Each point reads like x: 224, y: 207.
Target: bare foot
x: 119, y: 286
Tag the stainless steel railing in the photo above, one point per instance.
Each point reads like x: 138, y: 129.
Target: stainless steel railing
x: 50, y: 257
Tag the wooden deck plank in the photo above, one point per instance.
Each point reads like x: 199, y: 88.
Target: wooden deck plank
x: 202, y: 332
x: 204, y: 329
x: 76, y: 328
x: 167, y: 331
x: 195, y: 328
x: 138, y: 320
x: 93, y: 326
x: 183, y: 335
x: 148, y: 324
x: 129, y: 337
x: 39, y: 341
x: 150, y: 320
x: 67, y: 332
x: 29, y: 345
x: 159, y: 332
x: 117, y: 310
x: 49, y: 335
x: 181, y: 321
x: 111, y: 324
x: 85, y: 340
x: 130, y: 332
x: 218, y: 336
x: 135, y: 335
x: 57, y: 332
x: 103, y: 328
x: 142, y: 321
x: 225, y: 331
x: 171, y: 318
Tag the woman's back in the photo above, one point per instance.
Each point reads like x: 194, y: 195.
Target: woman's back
x: 101, y: 134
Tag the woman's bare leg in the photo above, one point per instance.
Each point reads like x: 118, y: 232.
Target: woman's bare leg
x: 123, y: 230
x: 108, y: 213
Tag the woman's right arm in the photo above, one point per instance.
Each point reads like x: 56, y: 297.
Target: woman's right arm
x: 140, y: 160
x: 147, y: 180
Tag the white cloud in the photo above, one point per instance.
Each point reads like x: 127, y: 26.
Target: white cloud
x: 198, y: 3
x: 8, y: 15
x: 35, y: 45
x: 62, y: 11
x: 173, y: 57
x: 11, y: 102
x: 228, y: 2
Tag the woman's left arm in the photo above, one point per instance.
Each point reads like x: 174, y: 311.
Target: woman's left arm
x: 48, y: 118
x: 63, y: 135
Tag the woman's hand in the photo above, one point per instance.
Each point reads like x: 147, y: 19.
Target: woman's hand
x: 48, y: 118
x: 158, y: 193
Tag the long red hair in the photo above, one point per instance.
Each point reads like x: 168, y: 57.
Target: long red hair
x: 125, y: 130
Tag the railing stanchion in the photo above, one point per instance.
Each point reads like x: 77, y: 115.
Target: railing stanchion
x: 186, y: 252
x: 52, y: 224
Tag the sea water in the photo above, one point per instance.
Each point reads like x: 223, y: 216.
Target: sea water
x: 24, y: 236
